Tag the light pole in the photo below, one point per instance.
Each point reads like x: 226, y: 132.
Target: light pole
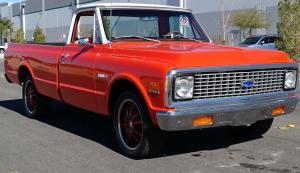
x: 23, y: 18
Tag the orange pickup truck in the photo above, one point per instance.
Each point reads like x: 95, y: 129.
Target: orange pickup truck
x: 153, y: 69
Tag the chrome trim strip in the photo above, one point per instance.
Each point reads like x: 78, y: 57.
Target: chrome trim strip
x: 191, y: 71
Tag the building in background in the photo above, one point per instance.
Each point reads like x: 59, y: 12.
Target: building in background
x: 5, y: 12
x: 54, y: 16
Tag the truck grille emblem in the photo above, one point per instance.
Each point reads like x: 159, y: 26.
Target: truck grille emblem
x: 247, y: 83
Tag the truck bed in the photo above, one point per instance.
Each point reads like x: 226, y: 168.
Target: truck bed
x: 42, y: 62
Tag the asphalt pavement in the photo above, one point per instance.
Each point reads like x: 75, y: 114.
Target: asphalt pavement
x: 75, y: 141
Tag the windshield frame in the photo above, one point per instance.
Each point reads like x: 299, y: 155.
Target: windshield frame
x: 196, y: 25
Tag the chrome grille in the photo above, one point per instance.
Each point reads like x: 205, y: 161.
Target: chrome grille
x: 229, y: 84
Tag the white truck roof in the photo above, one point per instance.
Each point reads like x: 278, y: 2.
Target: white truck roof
x: 133, y: 6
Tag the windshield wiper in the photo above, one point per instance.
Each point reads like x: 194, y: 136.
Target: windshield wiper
x: 191, y: 39
x: 136, y: 36
x: 179, y: 35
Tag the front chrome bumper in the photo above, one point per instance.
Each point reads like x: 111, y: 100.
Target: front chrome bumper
x: 234, y: 111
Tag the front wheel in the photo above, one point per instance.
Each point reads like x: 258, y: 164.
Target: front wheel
x: 253, y: 131
x: 135, y: 134
x: 35, y: 104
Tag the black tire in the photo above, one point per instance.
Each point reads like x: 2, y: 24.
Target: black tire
x: 255, y: 130
x: 150, y: 140
x: 35, y: 105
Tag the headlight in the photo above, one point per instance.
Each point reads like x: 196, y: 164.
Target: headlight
x: 290, y: 79
x: 184, y: 87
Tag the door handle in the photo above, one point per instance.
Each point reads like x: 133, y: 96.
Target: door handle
x: 63, y: 57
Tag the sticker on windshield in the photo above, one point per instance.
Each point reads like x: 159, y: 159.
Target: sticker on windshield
x: 184, y: 21
x: 149, y: 18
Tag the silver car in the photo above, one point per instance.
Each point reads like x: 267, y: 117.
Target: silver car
x: 262, y: 42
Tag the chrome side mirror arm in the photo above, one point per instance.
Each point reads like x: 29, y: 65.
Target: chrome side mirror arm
x: 85, y: 42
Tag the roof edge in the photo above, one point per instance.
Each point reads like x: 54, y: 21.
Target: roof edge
x: 133, y: 6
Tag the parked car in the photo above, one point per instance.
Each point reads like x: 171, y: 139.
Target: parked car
x: 3, y: 48
x: 262, y: 42
x: 154, y: 70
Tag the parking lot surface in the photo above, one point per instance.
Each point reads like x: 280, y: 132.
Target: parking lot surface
x: 72, y: 140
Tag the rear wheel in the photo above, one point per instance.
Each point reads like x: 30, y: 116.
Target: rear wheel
x: 253, y: 131
x: 135, y: 134
x: 35, y: 104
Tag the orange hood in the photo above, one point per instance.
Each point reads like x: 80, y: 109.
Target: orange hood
x: 191, y: 54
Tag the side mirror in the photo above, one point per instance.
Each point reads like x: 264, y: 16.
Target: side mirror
x: 85, y: 42
x: 262, y: 42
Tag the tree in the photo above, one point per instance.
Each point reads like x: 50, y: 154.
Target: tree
x: 250, y: 19
x: 20, y: 36
x: 38, y: 35
x: 6, y: 28
x: 289, y: 27
x: 225, y: 19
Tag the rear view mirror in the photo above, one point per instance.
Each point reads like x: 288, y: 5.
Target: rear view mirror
x: 85, y: 42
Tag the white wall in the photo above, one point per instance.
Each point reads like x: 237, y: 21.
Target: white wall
x: 205, y: 6
x: 139, y: 1
x: 55, y: 23
x: 17, y: 22
x: 5, y: 11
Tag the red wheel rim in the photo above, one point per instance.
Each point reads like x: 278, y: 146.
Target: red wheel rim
x: 130, y: 124
x: 30, y: 97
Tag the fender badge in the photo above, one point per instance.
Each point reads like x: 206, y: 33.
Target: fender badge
x: 154, y: 88
x: 102, y: 76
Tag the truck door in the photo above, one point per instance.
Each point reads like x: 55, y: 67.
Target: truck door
x: 76, y: 68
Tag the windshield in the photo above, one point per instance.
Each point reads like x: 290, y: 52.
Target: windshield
x: 152, y: 24
x: 251, y: 40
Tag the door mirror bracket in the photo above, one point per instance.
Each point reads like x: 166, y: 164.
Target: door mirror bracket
x: 85, y: 42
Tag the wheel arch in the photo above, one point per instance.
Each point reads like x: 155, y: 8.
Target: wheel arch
x: 125, y: 83
x: 23, y: 72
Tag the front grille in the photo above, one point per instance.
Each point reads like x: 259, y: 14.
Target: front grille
x: 229, y: 84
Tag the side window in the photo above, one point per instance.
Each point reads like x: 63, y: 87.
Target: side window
x: 86, y: 26
x: 265, y: 40
x: 272, y: 40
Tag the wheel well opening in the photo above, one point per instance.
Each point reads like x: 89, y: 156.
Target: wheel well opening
x: 118, y: 88
x: 22, y: 74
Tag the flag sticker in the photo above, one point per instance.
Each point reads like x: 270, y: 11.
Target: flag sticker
x: 184, y: 21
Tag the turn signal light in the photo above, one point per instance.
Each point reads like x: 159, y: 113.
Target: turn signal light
x: 278, y: 111
x: 203, y: 120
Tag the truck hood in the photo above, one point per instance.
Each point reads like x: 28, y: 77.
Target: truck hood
x: 192, y: 54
